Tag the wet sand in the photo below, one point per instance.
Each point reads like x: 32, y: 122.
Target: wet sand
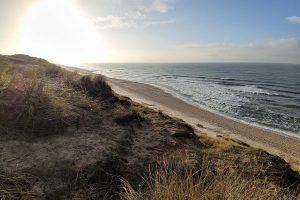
x: 208, y: 122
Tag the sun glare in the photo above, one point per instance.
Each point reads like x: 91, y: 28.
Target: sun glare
x: 58, y: 31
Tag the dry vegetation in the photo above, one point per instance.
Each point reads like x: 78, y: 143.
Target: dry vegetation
x: 173, y: 179
x: 29, y: 105
x: 68, y: 136
x: 231, y: 172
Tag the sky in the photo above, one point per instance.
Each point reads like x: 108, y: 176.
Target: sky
x: 72, y: 32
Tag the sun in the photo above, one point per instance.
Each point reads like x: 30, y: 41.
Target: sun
x: 57, y: 30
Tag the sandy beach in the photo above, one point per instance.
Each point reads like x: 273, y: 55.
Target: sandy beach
x: 208, y: 122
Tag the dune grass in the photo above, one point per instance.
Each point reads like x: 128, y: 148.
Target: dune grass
x: 174, y: 179
x: 29, y: 106
x: 29, y: 99
x: 16, y: 186
x: 94, y: 86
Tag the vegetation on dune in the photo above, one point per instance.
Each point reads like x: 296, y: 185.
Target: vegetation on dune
x: 176, y: 179
x: 17, y: 186
x: 69, y: 136
x: 94, y: 86
x: 28, y: 104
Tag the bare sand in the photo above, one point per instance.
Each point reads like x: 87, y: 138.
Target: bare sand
x: 208, y: 122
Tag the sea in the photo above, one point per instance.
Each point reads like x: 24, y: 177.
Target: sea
x: 263, y: 94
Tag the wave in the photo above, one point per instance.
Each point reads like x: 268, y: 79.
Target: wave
x: 230, y: 83
x: 183, y: 76
x: 279, y: 90
x: 229, y: 79
x: 251, y: 89
x: 235, y: 82
x: 292, y: 106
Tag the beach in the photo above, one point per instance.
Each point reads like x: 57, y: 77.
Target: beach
x: 205, y: 121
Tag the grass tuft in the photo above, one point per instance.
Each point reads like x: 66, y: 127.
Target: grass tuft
x: 29, y: 106
x: 94, y: 86
x: 174, y: 179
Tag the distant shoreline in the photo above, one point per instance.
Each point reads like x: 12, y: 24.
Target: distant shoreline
x: 204, y: 120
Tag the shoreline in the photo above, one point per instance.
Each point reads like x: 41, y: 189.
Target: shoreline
x: 254, y: 124
x: 206, y: 121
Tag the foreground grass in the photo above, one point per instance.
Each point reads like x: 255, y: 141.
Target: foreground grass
x: 68, y: 136
x: 176, y: 180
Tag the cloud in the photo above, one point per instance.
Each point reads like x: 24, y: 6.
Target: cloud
x: 162, y: 22
x: 128, y: 21
x: 112, y: 22
x: 161, y: 6
x: 143, y: 14
x: 294, y: 19
x: 284, y: 50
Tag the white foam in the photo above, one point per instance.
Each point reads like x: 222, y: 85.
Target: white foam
x: 251, y: 89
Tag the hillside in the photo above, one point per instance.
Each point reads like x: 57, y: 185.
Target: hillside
x: 65, y: 135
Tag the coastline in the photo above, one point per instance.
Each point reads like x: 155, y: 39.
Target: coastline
x: 205, y: 121
x: 257, y: 125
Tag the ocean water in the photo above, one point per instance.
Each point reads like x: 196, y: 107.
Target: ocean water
x: 261, y: 94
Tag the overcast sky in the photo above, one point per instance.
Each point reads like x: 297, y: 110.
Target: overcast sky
x: 74, y: 31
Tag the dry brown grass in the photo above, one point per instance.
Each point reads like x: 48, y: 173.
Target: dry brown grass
x: 220, y: 142
x: 176, y: 180
x: 17, y: 186
x: 28, y: 104
x: 94, y: 86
